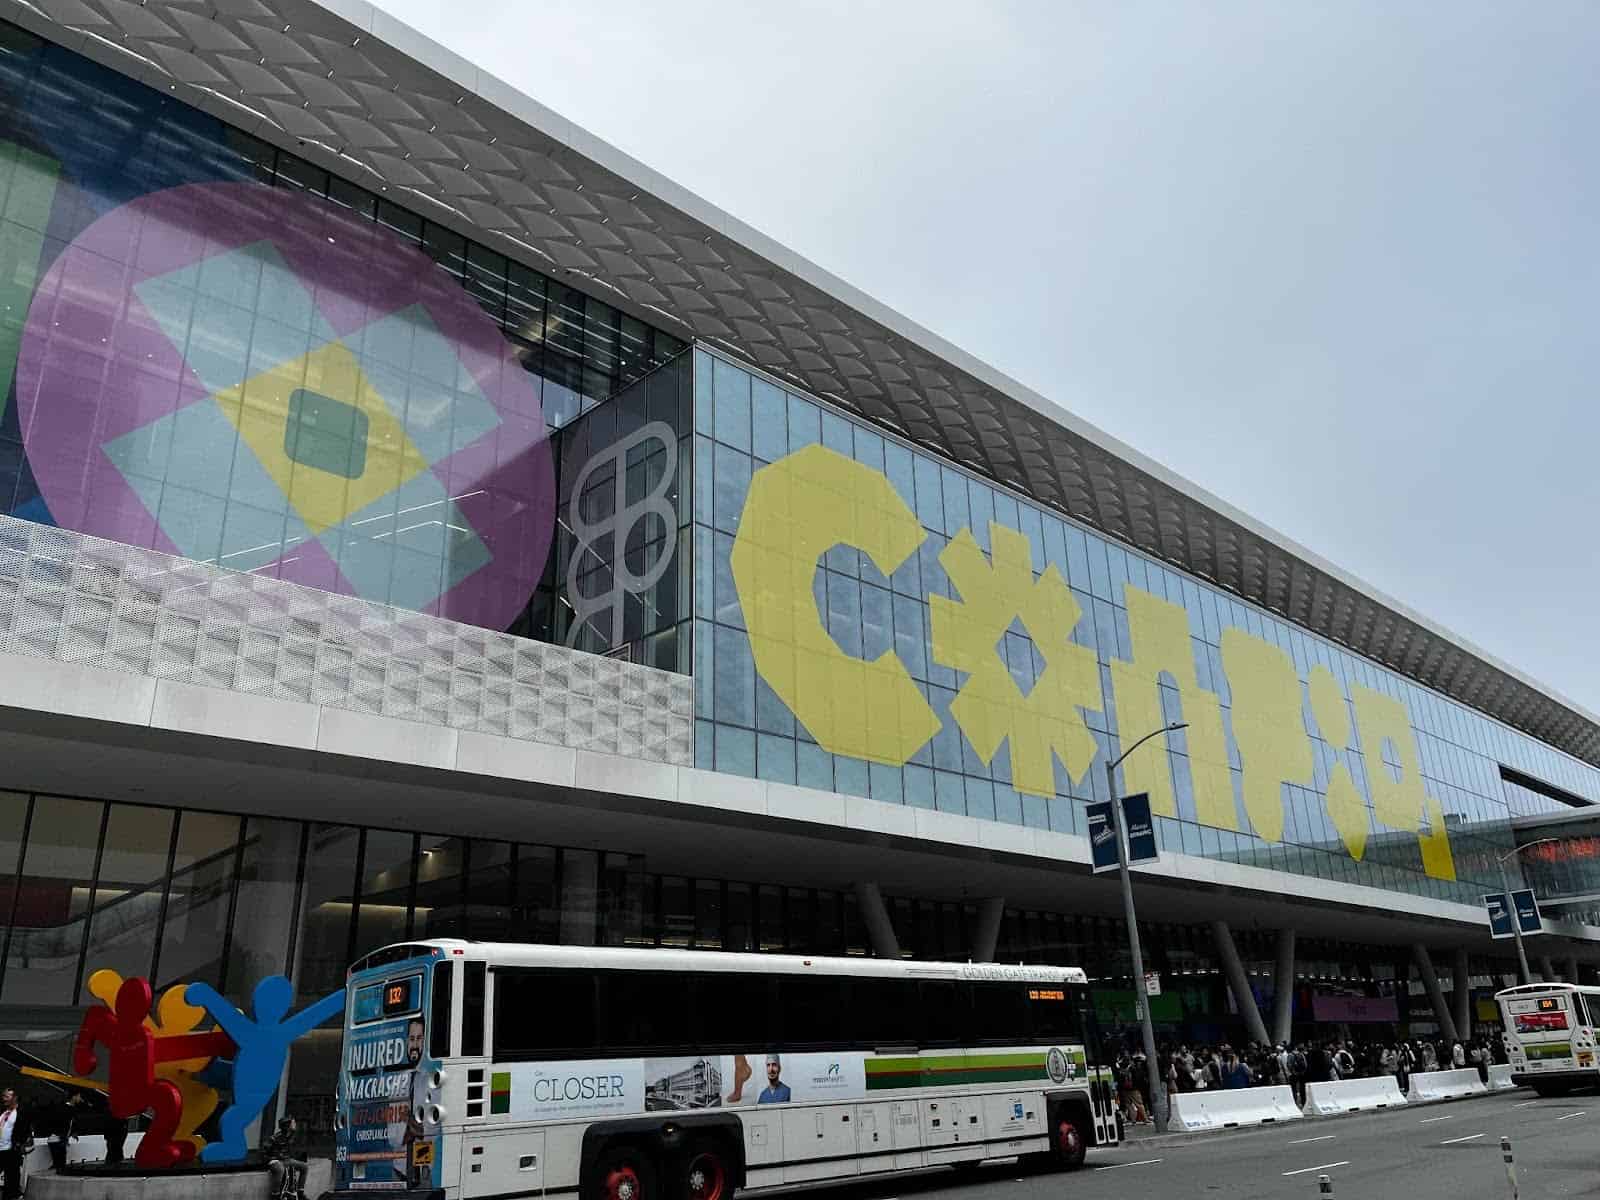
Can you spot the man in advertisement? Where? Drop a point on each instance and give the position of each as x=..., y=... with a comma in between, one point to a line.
x=776, y=1091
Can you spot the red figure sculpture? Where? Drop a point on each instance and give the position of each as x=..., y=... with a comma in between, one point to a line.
x=134, y=1052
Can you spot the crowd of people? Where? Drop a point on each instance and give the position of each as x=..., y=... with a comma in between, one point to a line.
x=1183, y=1068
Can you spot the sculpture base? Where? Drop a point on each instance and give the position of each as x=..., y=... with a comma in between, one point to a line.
x=89, y=1181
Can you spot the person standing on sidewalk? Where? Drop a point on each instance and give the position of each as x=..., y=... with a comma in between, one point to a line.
x=16, y=1139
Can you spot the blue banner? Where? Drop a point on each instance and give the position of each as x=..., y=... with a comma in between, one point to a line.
x=1141, y=829
x=1527, y=912
x=1499, y=914
x=1102, y=837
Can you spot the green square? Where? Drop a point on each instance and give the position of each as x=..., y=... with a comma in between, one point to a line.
x=326, y=434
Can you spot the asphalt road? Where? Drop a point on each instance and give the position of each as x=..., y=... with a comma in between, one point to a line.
x=1431, y=1152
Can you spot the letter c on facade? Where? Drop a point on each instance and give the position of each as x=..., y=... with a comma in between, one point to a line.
x=798, y=508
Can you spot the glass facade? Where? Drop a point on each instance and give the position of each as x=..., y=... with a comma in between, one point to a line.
x=212, y=348
x=887, y=613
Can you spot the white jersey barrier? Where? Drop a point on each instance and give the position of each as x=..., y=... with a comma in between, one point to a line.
x=1445, y=1085
x=1223, y=1108
x=1352, y=1095
x=1500, y=1077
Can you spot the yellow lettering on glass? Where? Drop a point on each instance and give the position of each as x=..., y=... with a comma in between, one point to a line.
x=1346, y=809
x=799, y=508
x=1160, y=634
x=990, y=707
x=1400, y=803
x=1267, y=726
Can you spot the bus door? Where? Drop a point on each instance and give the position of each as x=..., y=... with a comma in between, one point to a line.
x=1544, y=1029
x=397, y=1028
x=1102, y=1088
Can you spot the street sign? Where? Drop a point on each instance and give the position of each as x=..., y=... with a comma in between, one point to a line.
x=1141, y=829
x=1102, y=837
x=1527, y=912
x=1152, y=983
x=1499, y=914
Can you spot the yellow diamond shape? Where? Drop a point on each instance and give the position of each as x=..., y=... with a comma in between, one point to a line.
x=259, y=408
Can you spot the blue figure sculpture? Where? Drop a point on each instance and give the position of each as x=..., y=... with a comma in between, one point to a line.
x=263, y=1041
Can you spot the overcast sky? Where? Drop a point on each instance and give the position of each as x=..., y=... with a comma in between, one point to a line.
x=1340, y=264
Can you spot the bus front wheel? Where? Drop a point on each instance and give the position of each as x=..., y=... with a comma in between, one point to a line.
x=624, y=1173
x=705, y=1174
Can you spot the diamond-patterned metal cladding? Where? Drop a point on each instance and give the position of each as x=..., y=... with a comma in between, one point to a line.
x=81, y=599
x=376, y=102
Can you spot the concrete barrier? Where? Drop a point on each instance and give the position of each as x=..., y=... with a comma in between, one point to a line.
x=1352, y=1095
x=1223, y=1108
x=1500, y=1077
x=1445, y=1085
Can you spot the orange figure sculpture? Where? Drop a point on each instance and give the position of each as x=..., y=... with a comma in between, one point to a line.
x=134, y=1052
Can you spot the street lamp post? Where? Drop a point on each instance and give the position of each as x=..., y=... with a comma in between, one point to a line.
x=1516, y=922
x=1140, y=998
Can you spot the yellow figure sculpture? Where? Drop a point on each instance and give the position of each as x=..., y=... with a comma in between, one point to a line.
x=173, y=1016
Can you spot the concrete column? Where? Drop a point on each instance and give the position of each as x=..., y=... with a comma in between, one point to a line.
x=1463, y=993
x=1238, y=984
x=875, y=916
x=1441, y=1010
x=987, y=934
x=1572, y=969
x=1283, y=988
x=1549, y=969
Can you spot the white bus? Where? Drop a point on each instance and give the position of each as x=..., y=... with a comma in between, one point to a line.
x=477, y=1070
x=1550, y=1035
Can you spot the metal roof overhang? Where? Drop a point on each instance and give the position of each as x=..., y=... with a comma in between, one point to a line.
x=348, y=86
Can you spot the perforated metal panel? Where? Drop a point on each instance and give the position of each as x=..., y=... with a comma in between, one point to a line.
x=79, y=599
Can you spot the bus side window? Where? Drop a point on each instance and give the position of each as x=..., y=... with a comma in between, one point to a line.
x=439, y=1023
x=1000, y=1013
x=645, y=1010
x=946, y=1009
x=735, y=1012
x=472, y=1008
x=811, y=1009
x=543, y=1014
x=882, y=1012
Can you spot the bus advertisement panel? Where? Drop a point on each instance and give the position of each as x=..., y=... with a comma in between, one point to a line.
x=388, y=1086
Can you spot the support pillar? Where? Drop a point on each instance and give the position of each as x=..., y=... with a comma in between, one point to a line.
x=986, y=937
x=1243, y=998
x=875, y=916
x=1441, y=1010
x=1463, y=993
x=1283, y=988
x=1572, y=969
x=1549, y=969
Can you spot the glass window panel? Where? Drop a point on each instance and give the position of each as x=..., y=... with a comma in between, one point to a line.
x=52, y=902
x=735, y=679
x=736, y=751
x=129, y=892
x=805, y=423
x=535, y=902
x=769, y=418
x=731, y=483
x=837, y=434
x=850, y=776
x=264, y=912
x=730, y=404
x=775, y=758
x=440, y=873
x=13, y=815
x=813, y=767
x=385, y=890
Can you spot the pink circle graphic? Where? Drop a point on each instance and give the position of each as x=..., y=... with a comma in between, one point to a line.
x=253, y=377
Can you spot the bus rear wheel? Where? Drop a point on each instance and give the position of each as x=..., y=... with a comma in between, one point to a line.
x=624, y=1173
x=1068, y=1145
x=705, y=1174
